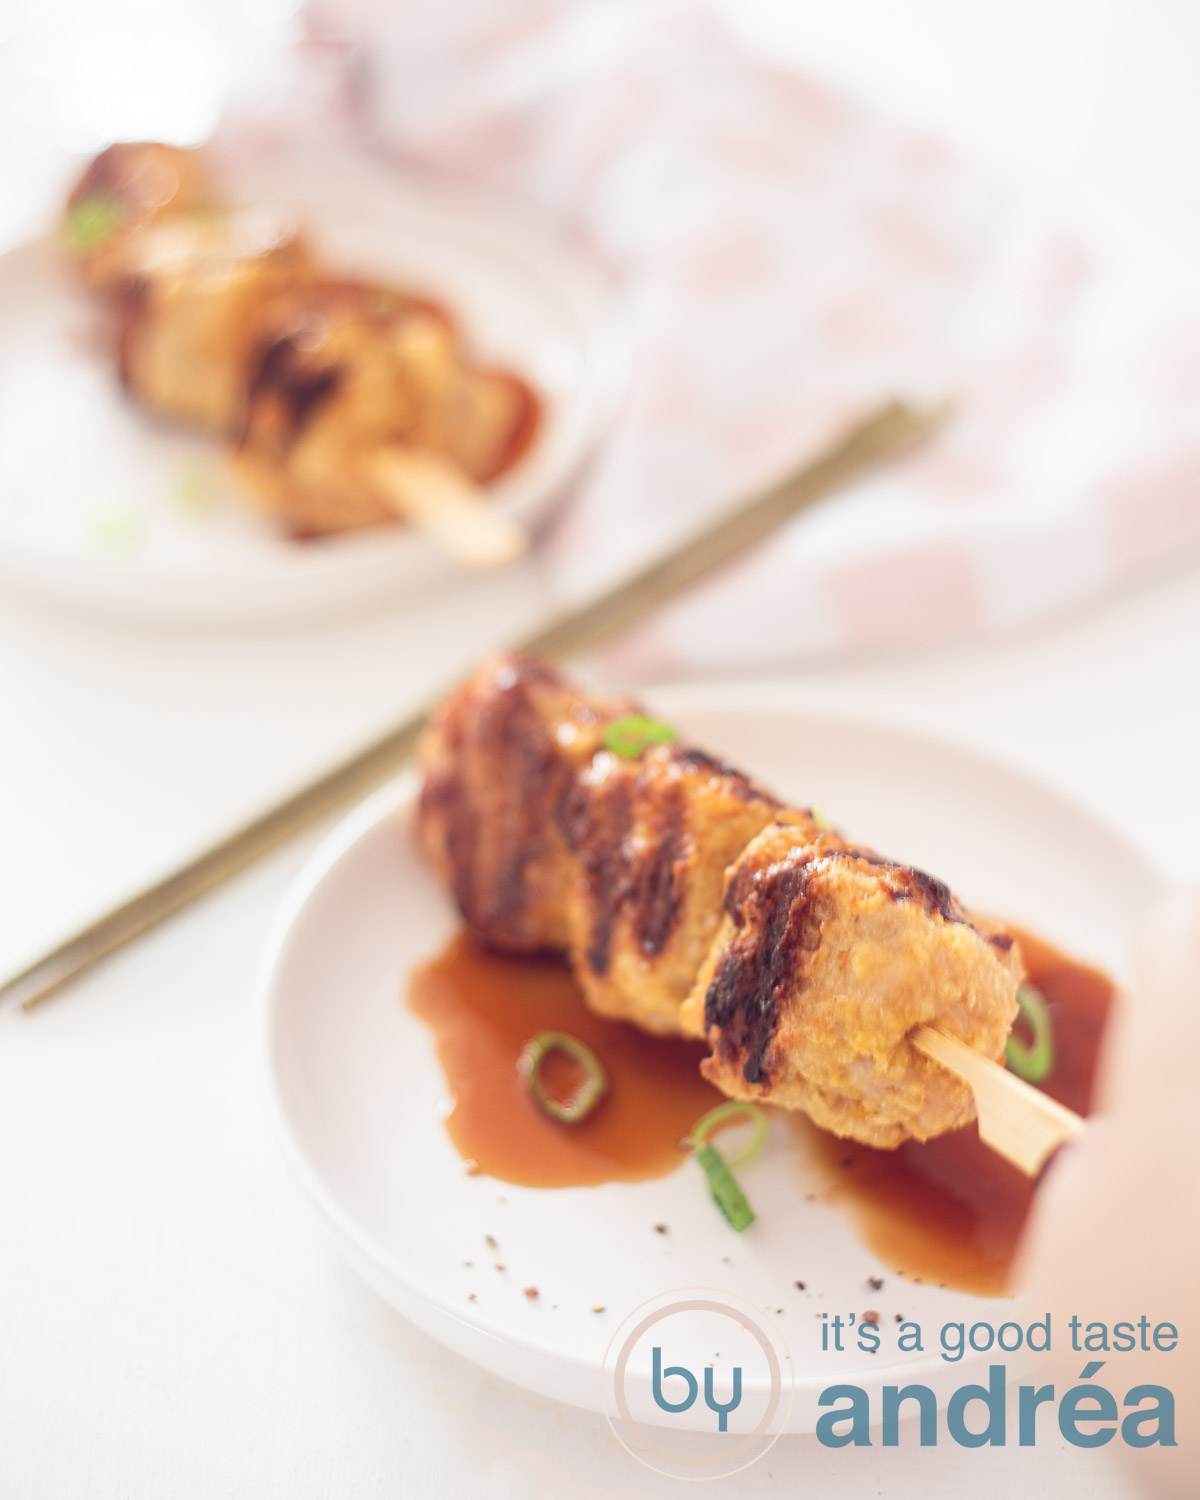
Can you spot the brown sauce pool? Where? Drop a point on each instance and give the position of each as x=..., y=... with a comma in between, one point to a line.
x=948, y=1211
x=482, y=1008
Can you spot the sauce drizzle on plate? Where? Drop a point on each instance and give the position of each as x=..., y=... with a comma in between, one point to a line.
x=483, y=1007
x=947, y=1211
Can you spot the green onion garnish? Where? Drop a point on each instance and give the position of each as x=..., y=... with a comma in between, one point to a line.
x=724, y=1114
x=629, y=736
x=722, y=1184
x=1033, y=1064
x=195, y=490
x=92, y=221
x=589, y=1093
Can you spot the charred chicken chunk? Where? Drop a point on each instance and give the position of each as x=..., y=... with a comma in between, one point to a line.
x=652, y=838
x=826, y=958
x=348, y=374
x=499, y=760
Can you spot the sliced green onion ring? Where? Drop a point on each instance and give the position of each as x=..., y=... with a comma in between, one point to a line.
x=589, y=1093
x=629, y=736
x=722, y=1184
x=92, y=221
x=736, y=1109
x=1033, y=1064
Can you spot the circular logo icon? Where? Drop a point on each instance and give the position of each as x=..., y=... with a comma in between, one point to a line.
x=697, y=1384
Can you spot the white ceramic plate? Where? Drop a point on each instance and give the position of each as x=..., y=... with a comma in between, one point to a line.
x=102, y=507
x=359, y=1093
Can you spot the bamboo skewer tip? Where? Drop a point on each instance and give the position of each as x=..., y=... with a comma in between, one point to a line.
x=1016, y=1120
x=437, y=498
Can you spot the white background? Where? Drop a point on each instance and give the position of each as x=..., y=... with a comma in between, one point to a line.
x=171, y=1320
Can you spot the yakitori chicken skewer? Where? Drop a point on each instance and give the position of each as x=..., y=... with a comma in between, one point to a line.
x=690, y=900
x=359, y=408
x=351, y=404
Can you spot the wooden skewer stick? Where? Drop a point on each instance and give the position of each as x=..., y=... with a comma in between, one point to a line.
x=1016, y=1120
x=438, y=499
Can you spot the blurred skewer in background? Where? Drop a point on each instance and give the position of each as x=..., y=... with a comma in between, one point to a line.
x=349, y=405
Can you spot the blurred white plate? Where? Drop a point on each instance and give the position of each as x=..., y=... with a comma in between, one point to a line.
x=102, y=507
x=359, y=1094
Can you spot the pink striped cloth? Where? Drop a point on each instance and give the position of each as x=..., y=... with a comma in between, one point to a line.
x=790, y=259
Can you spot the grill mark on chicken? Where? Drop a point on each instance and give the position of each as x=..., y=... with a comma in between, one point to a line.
x=738, y=784
x=596, y=827
x=906, y=883
x=597, y=818
x=657, y=886
x=526, y=782
x=737, y=891
x=933, y=894
x=278, y=372
x=770, y=911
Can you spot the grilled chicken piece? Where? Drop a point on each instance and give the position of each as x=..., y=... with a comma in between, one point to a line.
x=127, y=187
x=499, y=759
x=826, y=958
x=195, y=299
x=652, y=838
x=346, y=372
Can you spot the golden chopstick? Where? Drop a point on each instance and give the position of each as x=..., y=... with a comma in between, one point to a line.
x=887, y=433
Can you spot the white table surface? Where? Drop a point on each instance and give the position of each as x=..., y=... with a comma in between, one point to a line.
x=172, y=1319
